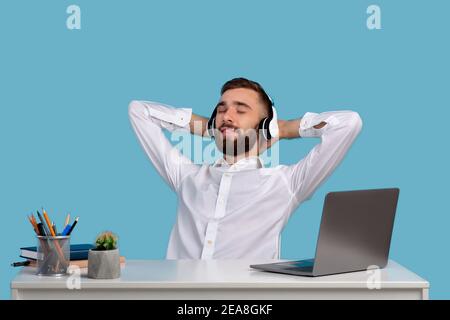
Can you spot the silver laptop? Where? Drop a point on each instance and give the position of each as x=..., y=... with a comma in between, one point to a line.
x=355, y=233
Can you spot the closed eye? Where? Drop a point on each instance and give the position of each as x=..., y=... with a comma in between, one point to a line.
x=242, y=108
x=221, y=108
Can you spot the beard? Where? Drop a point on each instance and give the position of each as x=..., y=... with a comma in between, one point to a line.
x=243, y=143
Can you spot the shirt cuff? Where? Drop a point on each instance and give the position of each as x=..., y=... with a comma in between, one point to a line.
x=307, y=122
x=171, y=118
x=311, y=119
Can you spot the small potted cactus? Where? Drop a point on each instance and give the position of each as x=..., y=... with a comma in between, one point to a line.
x=104, y=259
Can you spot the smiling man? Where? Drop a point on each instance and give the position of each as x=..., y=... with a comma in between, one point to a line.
x=236, y=208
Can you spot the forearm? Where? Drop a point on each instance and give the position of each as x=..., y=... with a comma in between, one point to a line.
x=198, y=125
x=340, y=129
x=289, y=128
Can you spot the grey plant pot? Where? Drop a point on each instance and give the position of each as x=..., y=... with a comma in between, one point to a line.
x=103, y=264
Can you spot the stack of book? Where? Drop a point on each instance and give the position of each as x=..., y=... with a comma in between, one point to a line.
x=78, y=254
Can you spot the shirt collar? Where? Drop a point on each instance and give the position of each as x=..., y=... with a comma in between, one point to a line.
x=253, y=162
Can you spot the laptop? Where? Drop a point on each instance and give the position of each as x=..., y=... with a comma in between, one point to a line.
x=355, y=234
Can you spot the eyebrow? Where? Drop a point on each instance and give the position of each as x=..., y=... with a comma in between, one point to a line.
x=239, y=103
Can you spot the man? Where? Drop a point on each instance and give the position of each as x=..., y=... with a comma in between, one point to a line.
x=237, y=208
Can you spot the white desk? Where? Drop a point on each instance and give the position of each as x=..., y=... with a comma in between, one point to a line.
x=219, y=279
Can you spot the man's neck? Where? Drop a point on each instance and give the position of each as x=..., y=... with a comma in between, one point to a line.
x=230, y=159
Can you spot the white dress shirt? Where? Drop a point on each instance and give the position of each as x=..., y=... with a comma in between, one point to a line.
x=237, y=211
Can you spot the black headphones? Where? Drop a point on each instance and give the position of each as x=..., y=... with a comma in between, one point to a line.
x=268, y=126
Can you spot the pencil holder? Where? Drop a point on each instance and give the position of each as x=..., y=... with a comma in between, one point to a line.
x=53, y=255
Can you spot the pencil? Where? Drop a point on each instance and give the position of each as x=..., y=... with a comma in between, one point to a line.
x=58, y=248
x=32, y=223
x=67, y=220
x=35, y=224
x=49, y=224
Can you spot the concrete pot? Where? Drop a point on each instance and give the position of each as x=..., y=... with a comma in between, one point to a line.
x=103, y=264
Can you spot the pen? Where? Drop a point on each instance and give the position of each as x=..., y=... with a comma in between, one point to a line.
x=66, y=230
x=41, y=229
x=44, y=226
x=73, y=226
x=20, y=264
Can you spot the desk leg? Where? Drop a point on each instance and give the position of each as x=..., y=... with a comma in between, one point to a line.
x=15, y=294
x=425, y=294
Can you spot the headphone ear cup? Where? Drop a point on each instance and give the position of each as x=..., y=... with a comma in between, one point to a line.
x=211, y=126
x=212, y=123
x=264, y=128
x=272, y=124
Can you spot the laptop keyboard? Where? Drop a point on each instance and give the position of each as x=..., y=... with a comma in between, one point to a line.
x=298, y=265
x=299, y=268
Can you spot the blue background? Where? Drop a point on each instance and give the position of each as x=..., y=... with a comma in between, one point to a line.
x=67, y=145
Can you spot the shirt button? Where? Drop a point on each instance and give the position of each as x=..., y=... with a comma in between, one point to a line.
x=210, y=242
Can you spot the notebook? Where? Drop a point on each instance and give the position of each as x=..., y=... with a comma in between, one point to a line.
x=77, y=251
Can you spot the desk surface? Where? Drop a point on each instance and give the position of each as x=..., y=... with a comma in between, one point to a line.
x=205, y=279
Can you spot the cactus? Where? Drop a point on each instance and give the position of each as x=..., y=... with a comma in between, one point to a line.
x=106, y=241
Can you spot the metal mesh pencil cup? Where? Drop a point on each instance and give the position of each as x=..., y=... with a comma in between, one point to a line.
x=53, y=255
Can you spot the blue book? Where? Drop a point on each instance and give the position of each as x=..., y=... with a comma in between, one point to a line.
x=77, y=252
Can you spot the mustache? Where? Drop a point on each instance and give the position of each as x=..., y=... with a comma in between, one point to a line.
x=228, y=126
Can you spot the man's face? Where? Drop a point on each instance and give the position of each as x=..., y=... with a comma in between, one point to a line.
x=239, y=112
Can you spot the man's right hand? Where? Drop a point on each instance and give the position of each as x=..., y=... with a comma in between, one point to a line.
x=198, y=125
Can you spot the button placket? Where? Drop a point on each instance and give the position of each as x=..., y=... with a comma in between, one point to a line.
x=212, y=226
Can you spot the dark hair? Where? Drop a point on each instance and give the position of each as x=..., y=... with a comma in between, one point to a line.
x=248, y=84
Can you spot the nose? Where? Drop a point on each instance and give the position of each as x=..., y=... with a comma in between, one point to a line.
x=228, y=115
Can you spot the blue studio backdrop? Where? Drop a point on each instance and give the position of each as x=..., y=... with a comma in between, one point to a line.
x=67, y=145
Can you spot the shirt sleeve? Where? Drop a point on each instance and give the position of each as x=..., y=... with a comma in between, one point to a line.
x=337, y=136
x=148, y=119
